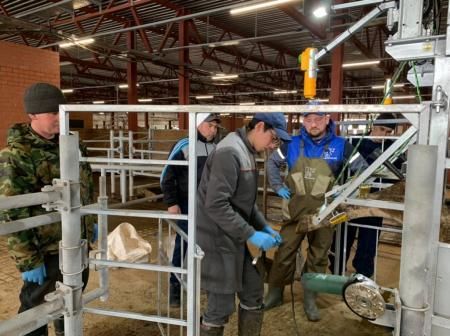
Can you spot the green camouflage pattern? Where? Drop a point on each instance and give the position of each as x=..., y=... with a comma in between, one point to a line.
x=27, y=164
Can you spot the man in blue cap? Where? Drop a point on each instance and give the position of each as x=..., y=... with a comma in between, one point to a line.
x=314, y=158
x=174, y=184
x=228, y=218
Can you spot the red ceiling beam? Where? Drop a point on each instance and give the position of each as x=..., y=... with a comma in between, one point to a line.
x=315, y=29
x=132, y=83
x=183, y=72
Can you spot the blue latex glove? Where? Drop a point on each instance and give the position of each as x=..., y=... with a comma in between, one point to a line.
x=36, y=275
x=262, y=240
x=94, y=237
x=273, y=233
x=284, y=192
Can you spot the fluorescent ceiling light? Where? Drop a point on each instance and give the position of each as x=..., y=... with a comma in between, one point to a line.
x=223, y=43
x=224, y=76
x=145, y=100
x=322, y=100
x=98, y=102
x=77, y=42
x=67, y=90
x=247, y=104
x=380, y=87
x=357, y=64
x=125, y=86
x=257, y=6
x=204, y=97
x=284, y=91
x=320, y=12
x=404, y=97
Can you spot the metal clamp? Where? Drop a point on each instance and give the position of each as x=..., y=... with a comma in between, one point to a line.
x=441, y=100
x=84, y=255
x=68, y=294
x=49, y=206
x=66, y=202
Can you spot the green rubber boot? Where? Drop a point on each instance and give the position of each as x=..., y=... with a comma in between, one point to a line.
x=309, y=305
x=274, y=298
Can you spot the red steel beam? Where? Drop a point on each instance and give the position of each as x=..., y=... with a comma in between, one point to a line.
x=183, y=72
x=132, y=83
x=315, y=29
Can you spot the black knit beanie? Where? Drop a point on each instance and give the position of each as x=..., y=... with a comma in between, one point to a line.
x=43, y=98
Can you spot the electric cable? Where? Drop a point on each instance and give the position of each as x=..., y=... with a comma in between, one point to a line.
x=297, y=332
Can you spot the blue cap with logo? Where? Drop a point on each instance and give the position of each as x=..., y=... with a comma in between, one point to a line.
x=277, y=121
x=313, y=103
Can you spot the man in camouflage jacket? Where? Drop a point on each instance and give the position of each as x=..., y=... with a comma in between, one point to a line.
x=28, y=163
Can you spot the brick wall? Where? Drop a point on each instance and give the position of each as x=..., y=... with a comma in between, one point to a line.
x=21, y=66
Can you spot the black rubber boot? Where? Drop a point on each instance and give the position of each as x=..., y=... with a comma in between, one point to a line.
x=250, y=322
x=210, y=331
x=59, y=326
x=174, y=295
x=274, y=298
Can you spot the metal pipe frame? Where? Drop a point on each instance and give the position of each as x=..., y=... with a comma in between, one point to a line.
x=191, y=267
x=71, y=251
x=422, y=161
x=26, y=200
x=404, y=138
x=378, y=10
x=29, y=223
x=31, y=319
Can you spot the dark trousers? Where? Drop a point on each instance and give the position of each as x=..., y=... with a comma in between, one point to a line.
x=178, y=252
x=363, y=262
x=32, y=294
x=221, y=306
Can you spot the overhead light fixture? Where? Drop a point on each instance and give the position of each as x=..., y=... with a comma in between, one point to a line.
x=257, y=6
x=320, y=12
x=381, y=87
x=77, y=42
x=145, y=100
x=224, y=76
x=67, y=90
x=358, y=64
x=223, y=43
x=404, y=97
x=277, y=92
x=125, y=86
x=322, y=100
x=247, y=104
x=98, y=102
x=204, y=97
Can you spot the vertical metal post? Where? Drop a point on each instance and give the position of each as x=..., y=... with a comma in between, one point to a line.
x=130, y=172
x=192, y=317
x=103, y=235
x=438, y=136
x=417, y=237
x=71, y=244
x=123, y=176
x=111, y=155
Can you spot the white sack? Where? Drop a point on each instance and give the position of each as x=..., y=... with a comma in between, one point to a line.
x=124, y=244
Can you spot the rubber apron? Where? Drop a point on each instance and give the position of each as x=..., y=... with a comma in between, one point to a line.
x=309, y=180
